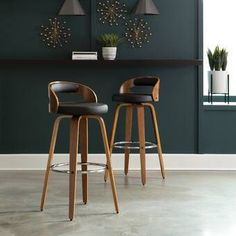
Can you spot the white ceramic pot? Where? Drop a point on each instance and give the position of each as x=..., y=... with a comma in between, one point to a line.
x=219, y=81
x=109, y=53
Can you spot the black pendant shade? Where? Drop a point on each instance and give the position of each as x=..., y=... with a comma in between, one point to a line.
x=146, y=7
x=72, y=8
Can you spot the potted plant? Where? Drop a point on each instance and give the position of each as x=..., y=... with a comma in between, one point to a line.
x=109, y=43
x=218, y=76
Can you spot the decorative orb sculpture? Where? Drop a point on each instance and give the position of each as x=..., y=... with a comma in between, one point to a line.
x=137, y=32
x=111, y=11
x=55, y=34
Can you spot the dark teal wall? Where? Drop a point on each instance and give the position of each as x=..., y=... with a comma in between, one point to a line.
x=174, y=31
x=218, y=131
x=25, y=124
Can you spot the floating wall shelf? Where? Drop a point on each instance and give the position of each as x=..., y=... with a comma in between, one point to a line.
x=145, y=62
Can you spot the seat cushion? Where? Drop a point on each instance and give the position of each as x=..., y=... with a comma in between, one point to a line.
x=132, y=97
x=77, y=109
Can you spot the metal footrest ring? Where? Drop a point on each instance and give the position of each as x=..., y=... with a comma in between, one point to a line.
x=56, y=167
x=133, y=145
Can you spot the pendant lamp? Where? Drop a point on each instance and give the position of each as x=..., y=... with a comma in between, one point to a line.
x=146, y=7
x=72, y=8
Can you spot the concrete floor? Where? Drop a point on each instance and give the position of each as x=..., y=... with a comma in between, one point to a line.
x=186, y=204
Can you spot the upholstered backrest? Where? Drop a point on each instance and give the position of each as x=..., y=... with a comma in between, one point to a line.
x=143, y=81
x=64, y=87
x=87, y=94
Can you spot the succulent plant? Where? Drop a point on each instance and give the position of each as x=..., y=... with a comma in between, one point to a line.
x=109, y=40
x=211, y=59
x=218, y=59
x=224, y=59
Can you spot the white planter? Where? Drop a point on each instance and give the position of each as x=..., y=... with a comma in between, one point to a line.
x=109, y=53
x=219, y=81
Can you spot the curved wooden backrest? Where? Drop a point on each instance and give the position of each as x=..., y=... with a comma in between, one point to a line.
x=152, y=81
x=55, y=87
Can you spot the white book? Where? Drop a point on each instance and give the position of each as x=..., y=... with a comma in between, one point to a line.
x=84, y=56
x=82, y=53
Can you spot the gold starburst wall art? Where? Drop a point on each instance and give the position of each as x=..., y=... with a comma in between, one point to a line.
x=137, y=32
x=111, y=12
x=55, y=34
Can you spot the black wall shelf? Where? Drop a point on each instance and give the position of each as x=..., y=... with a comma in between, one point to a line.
x=145, y=62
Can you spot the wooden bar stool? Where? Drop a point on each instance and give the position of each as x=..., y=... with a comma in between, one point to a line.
x=130, y=99
x=78, y=113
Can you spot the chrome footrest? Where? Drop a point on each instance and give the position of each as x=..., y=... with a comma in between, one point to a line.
x=133, y=145
x=59, y=167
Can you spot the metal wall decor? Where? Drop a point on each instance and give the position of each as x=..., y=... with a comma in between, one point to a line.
x=55, y=34
x=111, y=11
x=137, y=32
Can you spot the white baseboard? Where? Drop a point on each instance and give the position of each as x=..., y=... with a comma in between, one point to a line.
x=172, y=161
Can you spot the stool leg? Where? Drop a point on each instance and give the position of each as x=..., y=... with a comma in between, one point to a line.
x=74, y=128
x=128, y=132
x=113, y=132
x=49, y=163
x=109, y=166
x=158, y=139
x=141, y=135
x=84, y=155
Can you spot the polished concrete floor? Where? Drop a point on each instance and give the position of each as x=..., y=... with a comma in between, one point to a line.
x=186, y=204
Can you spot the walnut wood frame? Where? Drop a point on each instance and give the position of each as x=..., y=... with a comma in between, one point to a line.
x=129, y=84
x=126, y=88
x=87, y=93
x=141, y=131
x=78, y=133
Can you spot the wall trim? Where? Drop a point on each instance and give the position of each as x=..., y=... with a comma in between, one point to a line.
x=172, y=161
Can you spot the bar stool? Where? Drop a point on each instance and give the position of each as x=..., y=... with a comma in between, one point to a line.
x=130, y=99
x=78, y=113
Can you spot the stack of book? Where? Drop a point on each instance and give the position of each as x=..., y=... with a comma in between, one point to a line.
x=84, y=55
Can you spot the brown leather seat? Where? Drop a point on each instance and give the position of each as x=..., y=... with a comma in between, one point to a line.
x=77, y=109
x=132, y=97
